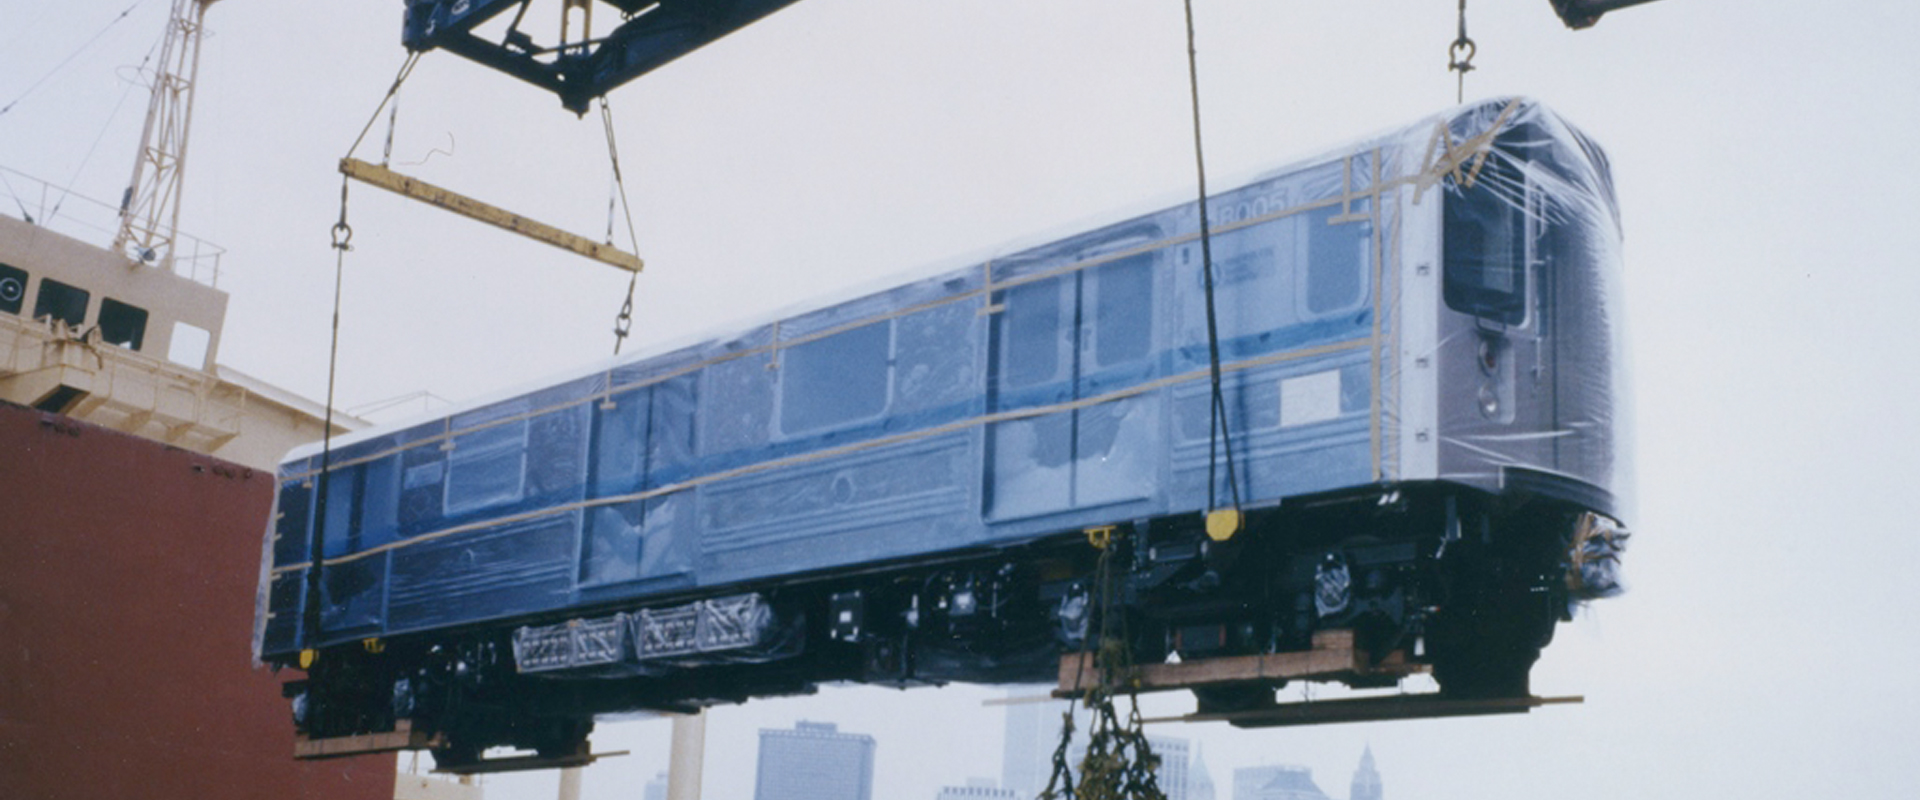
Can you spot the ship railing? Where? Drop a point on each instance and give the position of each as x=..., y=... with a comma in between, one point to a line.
x=69, y=213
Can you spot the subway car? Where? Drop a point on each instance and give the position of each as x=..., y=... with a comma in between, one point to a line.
x=1397, y=394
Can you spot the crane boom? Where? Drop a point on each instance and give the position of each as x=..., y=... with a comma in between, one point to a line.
x=650, y=34
x=150, y=208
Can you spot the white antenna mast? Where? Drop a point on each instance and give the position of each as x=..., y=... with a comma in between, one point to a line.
x=150, y=209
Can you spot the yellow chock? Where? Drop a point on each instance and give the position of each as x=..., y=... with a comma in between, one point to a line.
x=374, y=645
x=307, y=657
x=1223, y=523
x=1100, y=537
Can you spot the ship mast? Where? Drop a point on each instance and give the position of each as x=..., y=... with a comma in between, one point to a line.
x=150, y=208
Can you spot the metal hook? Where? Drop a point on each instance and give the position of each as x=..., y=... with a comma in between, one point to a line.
x=1460, y=55
x=623, y=322
x=1457, y=61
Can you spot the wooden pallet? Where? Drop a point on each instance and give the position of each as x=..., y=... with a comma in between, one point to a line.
x=402, y=737
x=491, y=766
x=1373, y=709
x=1334, y=657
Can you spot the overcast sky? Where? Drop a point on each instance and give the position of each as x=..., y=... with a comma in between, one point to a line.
x=1765, y=159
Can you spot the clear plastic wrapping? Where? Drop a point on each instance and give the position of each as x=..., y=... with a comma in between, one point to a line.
x=1439, y=303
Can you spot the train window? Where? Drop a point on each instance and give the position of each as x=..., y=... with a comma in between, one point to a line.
x=487, y=467
x=122, y=324
x=670, y=436
x=1484, y=240
x=1123, y=310
x=1256, y=287
x=62, y=302
x=935, y=363
x=556, y=456
x=1032, y=327
x=1336, y=260
x=613, y=544
x=13, y=288
x=290, y=526
x=341, y=535
x=836, y=379
x=620, y=442
x=736, y=409
x=423, y=479
x=380, y=502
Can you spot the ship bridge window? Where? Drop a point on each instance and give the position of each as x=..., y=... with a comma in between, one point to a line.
x=62, y=302
x=189, y=345
x=122, y=324
x=13, y=288
x=836, y=379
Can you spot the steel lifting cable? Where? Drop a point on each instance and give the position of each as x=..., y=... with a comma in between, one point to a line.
x=342, y=242
x=70, y=57
x=406, y=69
x=623, y=321
x=104, y=130
x=1460, y=55
x=1119, y=761
x=1220, y=436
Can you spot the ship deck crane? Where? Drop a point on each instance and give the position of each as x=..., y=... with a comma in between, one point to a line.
x=150, y=209
x=577, y=66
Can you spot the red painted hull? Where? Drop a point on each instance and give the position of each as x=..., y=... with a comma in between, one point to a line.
x=127, y=578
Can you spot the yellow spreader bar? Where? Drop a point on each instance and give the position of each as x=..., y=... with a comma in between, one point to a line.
x=376, y=175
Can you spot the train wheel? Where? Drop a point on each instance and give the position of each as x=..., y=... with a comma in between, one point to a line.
x=458, y=752
x=1487, y=650
x=564, y=738
x=1484, y=673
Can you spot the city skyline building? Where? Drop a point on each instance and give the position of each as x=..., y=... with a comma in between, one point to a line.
x=1033, y=734
x=1366, y=780
x=814, y=761
x=1276, y=782
x=976, y=789
x=1173, y=774
x=1199, y=779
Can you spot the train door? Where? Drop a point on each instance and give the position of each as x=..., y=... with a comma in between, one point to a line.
x=1066, y=349
x=642, y=439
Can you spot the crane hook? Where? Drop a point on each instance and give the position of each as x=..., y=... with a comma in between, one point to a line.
x=1460, y=55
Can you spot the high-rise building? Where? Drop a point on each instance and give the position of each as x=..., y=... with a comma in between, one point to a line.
x=814, y=761
x=1199, y=780
x=657, y=788
x=976, y=789
x=1366, y=779
x=1033, y=731
x=1277, y=782
x=1033, y=734
x=1173, y=773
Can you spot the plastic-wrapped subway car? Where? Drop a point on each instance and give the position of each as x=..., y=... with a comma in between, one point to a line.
x=1418, y=343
